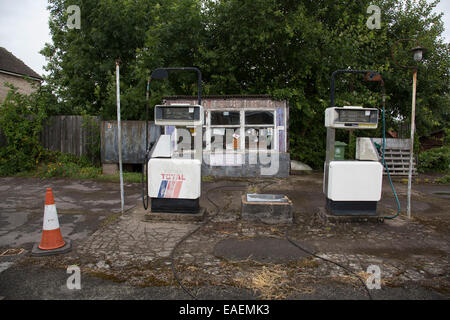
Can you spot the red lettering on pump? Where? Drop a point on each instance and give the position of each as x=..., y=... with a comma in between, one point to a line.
x=172, y=177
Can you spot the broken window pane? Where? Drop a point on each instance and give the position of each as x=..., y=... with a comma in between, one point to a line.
x=225, y=118
x=259, y=117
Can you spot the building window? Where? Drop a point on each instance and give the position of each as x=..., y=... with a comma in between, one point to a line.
x=225, y=130
x=259, y=118
x=259, y=130
x=225, y=118
x=239, y=130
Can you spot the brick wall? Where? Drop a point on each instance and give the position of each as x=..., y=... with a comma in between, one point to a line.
x=23, y=85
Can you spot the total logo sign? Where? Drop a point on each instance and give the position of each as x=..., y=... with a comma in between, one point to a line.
x=171, y=184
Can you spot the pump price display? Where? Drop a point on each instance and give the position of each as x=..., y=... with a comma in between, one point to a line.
x=357, y=116
x=351, y=118
x=178, y=115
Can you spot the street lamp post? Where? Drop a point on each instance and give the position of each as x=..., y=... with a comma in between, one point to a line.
x=411, y=150
x=417, y=55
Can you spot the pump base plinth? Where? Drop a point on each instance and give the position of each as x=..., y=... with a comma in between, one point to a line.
x=326, y=216
x=351, y=208
x=175, y=205
x=176, y=216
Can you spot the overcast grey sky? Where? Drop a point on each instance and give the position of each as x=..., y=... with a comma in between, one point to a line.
x=24, y=29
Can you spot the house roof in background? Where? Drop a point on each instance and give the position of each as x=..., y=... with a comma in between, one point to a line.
x=12, y=64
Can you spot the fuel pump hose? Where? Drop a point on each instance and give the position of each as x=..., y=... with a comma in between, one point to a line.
x=384, y=161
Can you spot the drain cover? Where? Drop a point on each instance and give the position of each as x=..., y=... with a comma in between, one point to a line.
x=264, y=197
x=12, y=252
x=261, y=250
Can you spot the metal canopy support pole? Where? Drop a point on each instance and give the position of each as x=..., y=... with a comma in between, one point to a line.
x=331, y=136
x=119, y=135
x=198, y=143
x=411, y=150
x=331, y=132
x=199, y=79
x=161, y=73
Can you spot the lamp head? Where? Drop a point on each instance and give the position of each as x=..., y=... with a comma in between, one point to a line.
x=418, y=53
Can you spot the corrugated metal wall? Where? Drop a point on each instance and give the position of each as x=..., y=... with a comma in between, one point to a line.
x=133, y=141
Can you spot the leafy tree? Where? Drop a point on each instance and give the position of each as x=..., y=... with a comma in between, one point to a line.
x=284, y=48
x=414, y=19
x=81, y=61
x=173, y=40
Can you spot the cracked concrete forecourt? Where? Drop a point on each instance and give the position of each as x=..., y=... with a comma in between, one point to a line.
x=228, y=257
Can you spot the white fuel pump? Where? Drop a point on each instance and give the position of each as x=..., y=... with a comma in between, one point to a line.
x=173, y=177
x=352, y=187
x=174, y=182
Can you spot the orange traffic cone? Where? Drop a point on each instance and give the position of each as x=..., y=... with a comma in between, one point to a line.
x=52, y=241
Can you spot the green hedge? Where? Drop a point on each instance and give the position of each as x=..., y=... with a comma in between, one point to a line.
x=21, y=118
x=435, y=160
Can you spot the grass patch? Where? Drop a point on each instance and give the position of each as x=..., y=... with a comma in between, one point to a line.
x=55, y=164
x=207, y=178
x=444, y=179
x=64, y=165
x=110, y=219
x=90, y=173
x=67, y=170
x=132, y=177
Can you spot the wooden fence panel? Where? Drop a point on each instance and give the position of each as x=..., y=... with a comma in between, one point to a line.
x=68, y=134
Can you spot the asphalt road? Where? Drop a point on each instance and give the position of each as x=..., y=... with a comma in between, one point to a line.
x=37, y=283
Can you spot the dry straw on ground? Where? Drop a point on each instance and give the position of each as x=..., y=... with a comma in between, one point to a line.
x=271, y=283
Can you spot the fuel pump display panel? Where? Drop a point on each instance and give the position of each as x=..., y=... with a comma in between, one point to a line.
x=351, y=118
x=363, y=116
x=172, y=113
x=184, y=115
